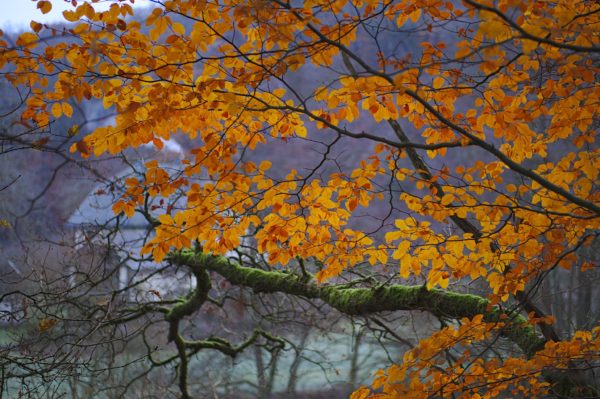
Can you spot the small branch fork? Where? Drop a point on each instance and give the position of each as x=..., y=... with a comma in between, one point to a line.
x=185, y=348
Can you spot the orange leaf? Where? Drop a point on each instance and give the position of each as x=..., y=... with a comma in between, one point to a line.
x=438, y=82
x=45, y=6
x=46, y=324
x=67, y=110
x=83, y=148
x=360, y=393
x=56, y=110
x=264, y=165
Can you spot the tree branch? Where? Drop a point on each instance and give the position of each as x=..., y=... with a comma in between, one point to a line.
x=364, y=301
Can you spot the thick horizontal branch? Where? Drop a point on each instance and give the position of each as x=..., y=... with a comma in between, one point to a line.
x=365, y=301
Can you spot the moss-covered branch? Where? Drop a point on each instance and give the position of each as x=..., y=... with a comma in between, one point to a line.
x=363, y=301
x=191, y=304
x=185, y=308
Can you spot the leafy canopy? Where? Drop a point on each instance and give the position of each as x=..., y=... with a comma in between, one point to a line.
x=488, y=124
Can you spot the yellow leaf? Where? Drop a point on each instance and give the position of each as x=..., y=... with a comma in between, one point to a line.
x=447, y=199
x=393, y=236
x=415, y=15
x=67, y=109
x=279, y=92
x=361, y=393
x=405, y=266
x=27, y=39
x=159, y=253
x=402, y=249
x=178, y=28
x=56, y=110
x=264, y=165
x=438, y=82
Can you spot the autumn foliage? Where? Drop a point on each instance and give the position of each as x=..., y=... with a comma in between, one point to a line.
x=483, y=138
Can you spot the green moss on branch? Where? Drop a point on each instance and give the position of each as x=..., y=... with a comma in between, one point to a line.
x=364, y=301
x=191, y=304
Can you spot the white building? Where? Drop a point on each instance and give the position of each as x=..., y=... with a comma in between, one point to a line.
x=108, y=246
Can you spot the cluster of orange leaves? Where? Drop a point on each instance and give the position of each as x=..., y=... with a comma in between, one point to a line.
x=427, y=372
